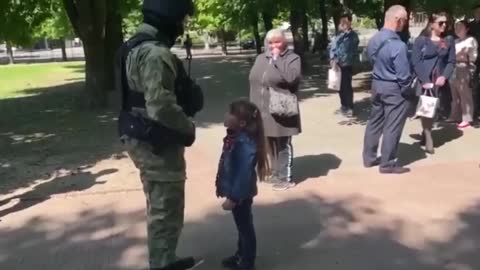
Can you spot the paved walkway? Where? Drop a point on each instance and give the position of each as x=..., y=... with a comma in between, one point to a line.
x=340, y=217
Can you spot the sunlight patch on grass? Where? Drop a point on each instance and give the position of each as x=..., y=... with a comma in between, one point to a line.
x=20, y=80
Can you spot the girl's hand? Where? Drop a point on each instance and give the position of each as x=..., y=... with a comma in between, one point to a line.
x=441, y=81
x=228, y=205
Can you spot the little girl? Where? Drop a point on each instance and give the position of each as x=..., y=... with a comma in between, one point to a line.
x=244, y=157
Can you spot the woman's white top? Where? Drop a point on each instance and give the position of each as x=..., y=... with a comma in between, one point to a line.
x=470, y=45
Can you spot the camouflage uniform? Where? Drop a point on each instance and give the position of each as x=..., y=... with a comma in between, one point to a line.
x=151, y=69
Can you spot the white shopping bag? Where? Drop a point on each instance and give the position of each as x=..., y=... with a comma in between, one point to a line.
x=427, y=105
x=334, y=79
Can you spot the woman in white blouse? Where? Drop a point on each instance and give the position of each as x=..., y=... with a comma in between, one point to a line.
x=462, y=82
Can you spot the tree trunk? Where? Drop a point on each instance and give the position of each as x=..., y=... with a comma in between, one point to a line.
x=45, y=44
x=267, y=21
x=95, y=74
x=11, y=59
x=224, y=42
x=337, y=10
x=295, y=23
x=256, y=33
x=64, y=49
x=206, y=40
x=113, y=41
x=305, y=28
x=324, y=17
x=379, y=19
x=88, y=19
x=405, y=35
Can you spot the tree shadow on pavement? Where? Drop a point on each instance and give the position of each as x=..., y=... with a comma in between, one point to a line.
x=225, y=79
x=52, y=130
x=315, y=233
x=410, y=153
x=361, y=113
x=308, y=167
x=71, y=182
x=312, y=233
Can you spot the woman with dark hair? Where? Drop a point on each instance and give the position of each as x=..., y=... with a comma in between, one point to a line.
x=466, y=48
x=434, y=62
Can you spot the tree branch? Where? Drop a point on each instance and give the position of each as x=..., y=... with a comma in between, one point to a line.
x=72, y=13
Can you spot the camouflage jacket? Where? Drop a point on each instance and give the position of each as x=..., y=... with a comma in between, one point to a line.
x=152, y=69
x=344, y=48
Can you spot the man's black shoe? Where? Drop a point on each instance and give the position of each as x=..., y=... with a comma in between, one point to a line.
x=394, y=170
x=181, y=264
x=373, y=164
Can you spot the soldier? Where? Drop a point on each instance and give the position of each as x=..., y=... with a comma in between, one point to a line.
x=155, y=124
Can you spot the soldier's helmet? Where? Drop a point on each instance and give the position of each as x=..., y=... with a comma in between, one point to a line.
x=174, y=11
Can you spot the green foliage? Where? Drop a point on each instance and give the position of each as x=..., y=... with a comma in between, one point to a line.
x=131, y=11
x=57, y=25
x=20, y=18
x=456, y=7
x=365, y=8
x=364, y=23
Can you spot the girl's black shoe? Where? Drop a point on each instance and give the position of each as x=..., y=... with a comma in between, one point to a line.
x=231, y=262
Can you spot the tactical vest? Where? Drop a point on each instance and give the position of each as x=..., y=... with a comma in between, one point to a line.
x=145, y=129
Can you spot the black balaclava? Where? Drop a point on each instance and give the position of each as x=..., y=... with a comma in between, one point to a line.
x=167, y=16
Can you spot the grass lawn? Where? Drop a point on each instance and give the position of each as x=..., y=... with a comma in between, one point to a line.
x=20, y=80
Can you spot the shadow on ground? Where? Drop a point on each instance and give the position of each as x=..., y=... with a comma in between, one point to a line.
x=308, y=167
x=49, y=131
x=311, y=233
x=444, y=134
x=225, y=79
x=361, y=113
x=71, y=182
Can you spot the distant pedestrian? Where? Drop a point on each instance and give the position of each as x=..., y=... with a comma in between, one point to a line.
x=188, y=44
x=343, y=51
x=466, y=48
x=276, y=75
x=391, y=91
x=474, y=31
x=244, y=159
x=433, y=59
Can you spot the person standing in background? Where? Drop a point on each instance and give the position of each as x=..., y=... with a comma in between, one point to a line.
x=433, y=59
x=343, y=51
x=466, y=48
x=474, y=31
x=188, y=44
x=278, y=69
x=391, y=92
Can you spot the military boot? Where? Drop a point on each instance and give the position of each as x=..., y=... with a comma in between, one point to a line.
x=180, y=264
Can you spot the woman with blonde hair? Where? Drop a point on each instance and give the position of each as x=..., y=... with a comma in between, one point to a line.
x=274, y=82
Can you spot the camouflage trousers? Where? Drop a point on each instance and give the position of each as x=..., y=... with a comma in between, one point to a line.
x=163, y=179
x=165, y=216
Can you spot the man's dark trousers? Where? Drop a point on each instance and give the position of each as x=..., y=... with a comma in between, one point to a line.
x=346, y=89
x=388, y=117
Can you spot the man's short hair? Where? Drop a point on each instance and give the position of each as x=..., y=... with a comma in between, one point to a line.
x=394, y=11
x=477, y=6
x=348, y=16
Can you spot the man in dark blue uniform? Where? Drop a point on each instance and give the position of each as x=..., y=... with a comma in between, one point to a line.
x=391, y=90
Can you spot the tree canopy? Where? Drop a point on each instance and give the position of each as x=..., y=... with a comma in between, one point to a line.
x=103, y=24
